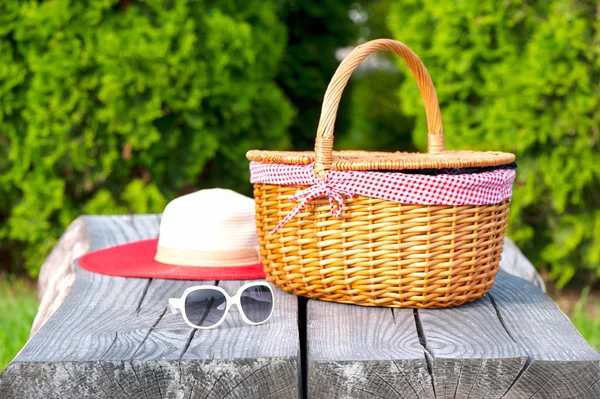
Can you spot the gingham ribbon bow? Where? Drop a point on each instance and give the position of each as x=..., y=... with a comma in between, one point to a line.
x=333, y=188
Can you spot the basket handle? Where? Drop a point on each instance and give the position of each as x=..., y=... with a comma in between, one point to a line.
x=324, y=141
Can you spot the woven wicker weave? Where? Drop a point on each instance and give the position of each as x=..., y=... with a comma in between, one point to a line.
x=380, y=253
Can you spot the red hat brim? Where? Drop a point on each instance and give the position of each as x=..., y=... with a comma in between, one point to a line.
x=136, y=259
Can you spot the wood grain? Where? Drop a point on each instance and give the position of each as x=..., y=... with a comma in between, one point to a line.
x=58, y=272
x=561, y=363
x=472, y=354
x=360, y=352
x=514, y=262
x=472, y=351
x=113, y=337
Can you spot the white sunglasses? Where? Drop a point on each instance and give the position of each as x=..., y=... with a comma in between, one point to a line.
x=206, y=306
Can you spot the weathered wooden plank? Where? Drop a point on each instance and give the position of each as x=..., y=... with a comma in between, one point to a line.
x=113, y=338
x=594, y=391
x=242, y=378
x=360, y=352
x=57, y=274
x=514, y=262
x=561, y=362
x=58, y=271
x=472, y=354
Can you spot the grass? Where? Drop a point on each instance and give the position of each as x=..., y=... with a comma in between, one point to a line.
x=586, y=318
x=18, y=307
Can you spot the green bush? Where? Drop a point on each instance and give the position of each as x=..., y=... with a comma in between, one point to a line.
x=316, y=29
x=522, y=77
x=111, y=106
x=376, y=123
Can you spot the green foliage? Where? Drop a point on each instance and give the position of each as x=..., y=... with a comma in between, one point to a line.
x=521, y=77
x=18, y=307
x=317, y=28
x=376, y=122
x=111, y=106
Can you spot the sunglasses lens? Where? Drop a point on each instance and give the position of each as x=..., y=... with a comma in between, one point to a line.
x=205, y=307
x=257, y=303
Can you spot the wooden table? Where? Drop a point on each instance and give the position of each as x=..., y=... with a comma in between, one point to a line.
x=113, y=337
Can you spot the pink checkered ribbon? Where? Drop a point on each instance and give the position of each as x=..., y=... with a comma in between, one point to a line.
x=469, y=189
x=333, y=188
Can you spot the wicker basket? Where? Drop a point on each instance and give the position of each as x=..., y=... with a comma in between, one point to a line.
x=379, y=252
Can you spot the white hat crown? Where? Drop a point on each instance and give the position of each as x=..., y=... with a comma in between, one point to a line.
x=212, y=227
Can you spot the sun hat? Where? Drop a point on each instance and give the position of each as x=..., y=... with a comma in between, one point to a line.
x=206, y=235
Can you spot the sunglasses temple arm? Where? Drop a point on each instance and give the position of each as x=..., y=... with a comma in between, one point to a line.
x=174, y=305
